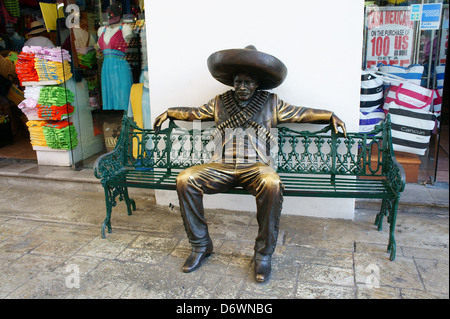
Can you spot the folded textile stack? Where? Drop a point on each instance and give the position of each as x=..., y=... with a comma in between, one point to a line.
x=55, y=95
x=29, y=108
x=32, y=92
x=37, y=137
x=51, y=54
x=54, y=112
x=52, y=71
x=37, y=63
x=29, y=105
x=54, y=103
x=25, y=68
x=60, y=135
x=88, y=59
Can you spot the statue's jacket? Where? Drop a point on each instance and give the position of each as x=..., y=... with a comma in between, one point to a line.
x=274, y=111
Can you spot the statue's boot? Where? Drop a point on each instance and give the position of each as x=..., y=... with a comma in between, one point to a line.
x=197, y=257
x=263, y=267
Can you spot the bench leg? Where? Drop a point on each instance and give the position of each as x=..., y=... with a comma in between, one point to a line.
x=111, y=192
x=110, y=202
x=383, y=212
x=392, y=218
x=131, y=204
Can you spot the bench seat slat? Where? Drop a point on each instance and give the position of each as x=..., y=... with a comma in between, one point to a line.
x=309, y=186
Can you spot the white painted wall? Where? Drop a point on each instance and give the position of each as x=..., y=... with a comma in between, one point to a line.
x=319, y=41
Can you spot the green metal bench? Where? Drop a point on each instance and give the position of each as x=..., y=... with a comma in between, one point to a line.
x=310, y=164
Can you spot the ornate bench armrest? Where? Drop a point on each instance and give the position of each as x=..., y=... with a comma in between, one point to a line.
x=396, y=174
x=108, y=164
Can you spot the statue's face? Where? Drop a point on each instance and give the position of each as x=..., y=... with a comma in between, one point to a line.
x=245, y=86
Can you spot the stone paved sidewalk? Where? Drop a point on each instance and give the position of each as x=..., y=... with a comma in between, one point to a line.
x=50, y=247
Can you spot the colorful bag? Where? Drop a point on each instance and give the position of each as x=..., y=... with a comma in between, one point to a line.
x=409, y=95
x=412, y=73
x=440, y=74
x=437, y=106
x=368, y=121
x=371, y=92
x=15, y=95
x=411, y=129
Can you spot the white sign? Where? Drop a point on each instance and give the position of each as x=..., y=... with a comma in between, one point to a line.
x=416, y=12
x=390, y=35
x=431, y=16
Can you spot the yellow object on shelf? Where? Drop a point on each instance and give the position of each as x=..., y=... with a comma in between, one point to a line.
x=50, y=12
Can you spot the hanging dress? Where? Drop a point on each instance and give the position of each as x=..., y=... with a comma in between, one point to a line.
x=116, y=72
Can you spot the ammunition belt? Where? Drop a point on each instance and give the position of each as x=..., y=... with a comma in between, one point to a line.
x=242, y=118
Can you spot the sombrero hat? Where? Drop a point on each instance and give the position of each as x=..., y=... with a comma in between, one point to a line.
x=36, y=27
x=223, y=65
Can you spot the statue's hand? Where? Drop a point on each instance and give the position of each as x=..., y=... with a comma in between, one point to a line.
x=159, y=121
x=336, y=122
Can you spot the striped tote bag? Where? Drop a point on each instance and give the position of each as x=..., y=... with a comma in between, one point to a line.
x=412, y=73
x=368, y=121
x=411, y=129
x=371, y=96
x=437, y=107
x=440, y=74
x=409, y=95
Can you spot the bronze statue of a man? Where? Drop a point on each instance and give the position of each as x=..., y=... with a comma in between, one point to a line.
x=251, y=107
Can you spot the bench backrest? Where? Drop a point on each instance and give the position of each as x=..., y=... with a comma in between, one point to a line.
x=321, y=152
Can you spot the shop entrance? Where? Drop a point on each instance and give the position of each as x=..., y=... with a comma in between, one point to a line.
x=66, y=70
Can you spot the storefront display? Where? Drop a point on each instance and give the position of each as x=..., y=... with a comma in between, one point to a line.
x=116, y=73
x=402, y=43
x=47, y=105
x=67, y=91
x=104, y=56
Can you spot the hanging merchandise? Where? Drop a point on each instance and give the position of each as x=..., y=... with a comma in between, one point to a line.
x=13, y=7
x=9, y=17
x=116, y=75
x=51, y=12
x=371, y=92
